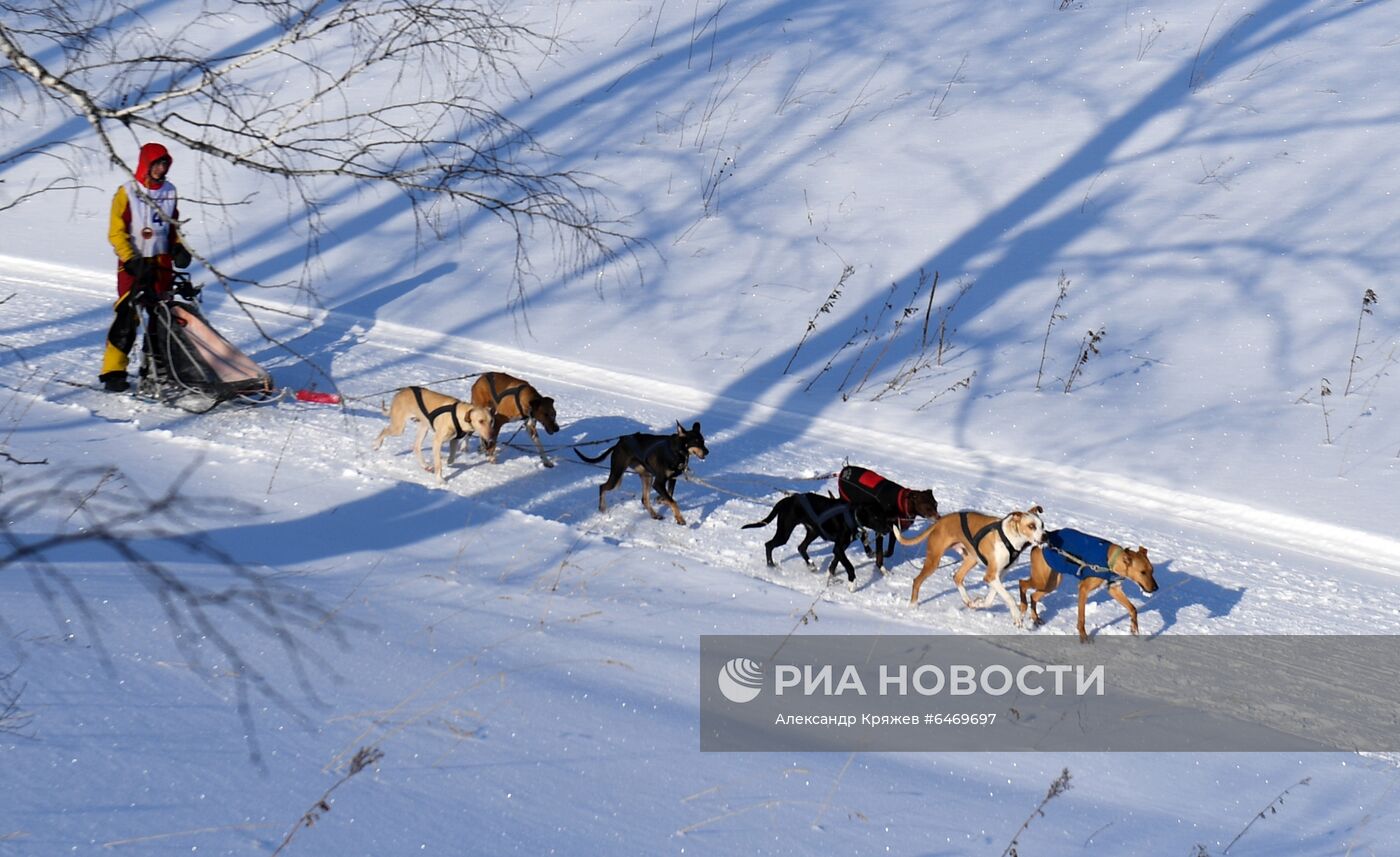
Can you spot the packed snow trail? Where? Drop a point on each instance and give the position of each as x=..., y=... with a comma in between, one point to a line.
x=1222, y=567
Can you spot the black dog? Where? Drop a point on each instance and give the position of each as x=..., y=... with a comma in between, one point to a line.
x=895, y=503
x=834, y=520
x=657, y=458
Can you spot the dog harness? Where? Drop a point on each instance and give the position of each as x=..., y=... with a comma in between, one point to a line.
x=876, y=489
x=643, y=454
x=1081, y=555
x=976, y=539
x=509, y=392
x=433, y=415
x=820, y=519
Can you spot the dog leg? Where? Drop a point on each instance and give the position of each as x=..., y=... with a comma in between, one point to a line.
x=802, y=548
x=423, y=428
x=969, y=562
x=616, y=469
x=1036, y=598
x=1041, y=583
x=1116, y=590
x=1085, y=587
x=781, y=535
x=438, y=441
x=998, y=588
x=535, y=436
x=1037, y=621
x=838, y=552
x=664, y=487
x=991, y=578
x=676, y=510
x=490, y=449
x=771, y=545
x=928, y=569
x=931, y=558
x=393, y=429
x=646, y=495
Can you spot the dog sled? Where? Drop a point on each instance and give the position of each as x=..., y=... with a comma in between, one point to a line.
x=185, y=363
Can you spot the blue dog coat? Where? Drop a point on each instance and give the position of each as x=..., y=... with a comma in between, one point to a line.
x=1078, y=555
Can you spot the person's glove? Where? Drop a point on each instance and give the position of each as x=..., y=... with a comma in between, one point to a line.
x=144, y=294
x=137, y=267
x=185, y=288
x=180, y=257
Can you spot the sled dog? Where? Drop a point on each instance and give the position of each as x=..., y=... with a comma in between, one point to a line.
x=1095, y=562
x=658, y=458
x=822, y=517
x=895, y=502
x=994, y=542
x=514, y=399
x=450, y=420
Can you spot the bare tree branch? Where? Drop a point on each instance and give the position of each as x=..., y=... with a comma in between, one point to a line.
x=13, y=719
x=322, y=92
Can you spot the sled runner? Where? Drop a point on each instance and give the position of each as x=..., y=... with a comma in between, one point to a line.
x=187, y=364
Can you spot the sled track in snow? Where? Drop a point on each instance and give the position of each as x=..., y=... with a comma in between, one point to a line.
x=1157, y=516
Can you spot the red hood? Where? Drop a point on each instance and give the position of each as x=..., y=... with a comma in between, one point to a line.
x=150, y=153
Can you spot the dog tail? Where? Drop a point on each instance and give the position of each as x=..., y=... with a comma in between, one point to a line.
x=602, y=455
x=914, y=541
x=763, y=523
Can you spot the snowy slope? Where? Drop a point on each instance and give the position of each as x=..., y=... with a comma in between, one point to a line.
x=1214, y=183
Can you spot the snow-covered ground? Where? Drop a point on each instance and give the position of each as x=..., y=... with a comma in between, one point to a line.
x=1219, y=196
x=529, y=664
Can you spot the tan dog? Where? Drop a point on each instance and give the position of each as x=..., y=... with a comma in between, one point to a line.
x=1094, y=562
x=514, y=399
x=995, y=542
x=447, y=418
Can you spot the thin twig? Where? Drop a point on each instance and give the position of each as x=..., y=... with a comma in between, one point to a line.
x=1057, y=788
x=928, y=310
x=1368, y=300
x=1055, y=315
x=826, y=307
x=366, y=757
x=1271, y=809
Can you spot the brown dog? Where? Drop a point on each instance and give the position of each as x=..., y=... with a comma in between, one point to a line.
x=995, y=542
x=447, y=418
x=514, y=399
x=1095, y=562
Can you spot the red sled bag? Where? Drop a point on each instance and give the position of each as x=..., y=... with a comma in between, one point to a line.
x=317, y=397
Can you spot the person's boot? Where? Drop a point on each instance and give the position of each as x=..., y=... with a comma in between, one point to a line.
x=114, y=382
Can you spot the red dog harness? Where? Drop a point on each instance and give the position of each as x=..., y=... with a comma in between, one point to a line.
x=879, y=490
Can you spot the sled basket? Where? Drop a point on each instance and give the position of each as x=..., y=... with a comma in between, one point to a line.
x=183, y=354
